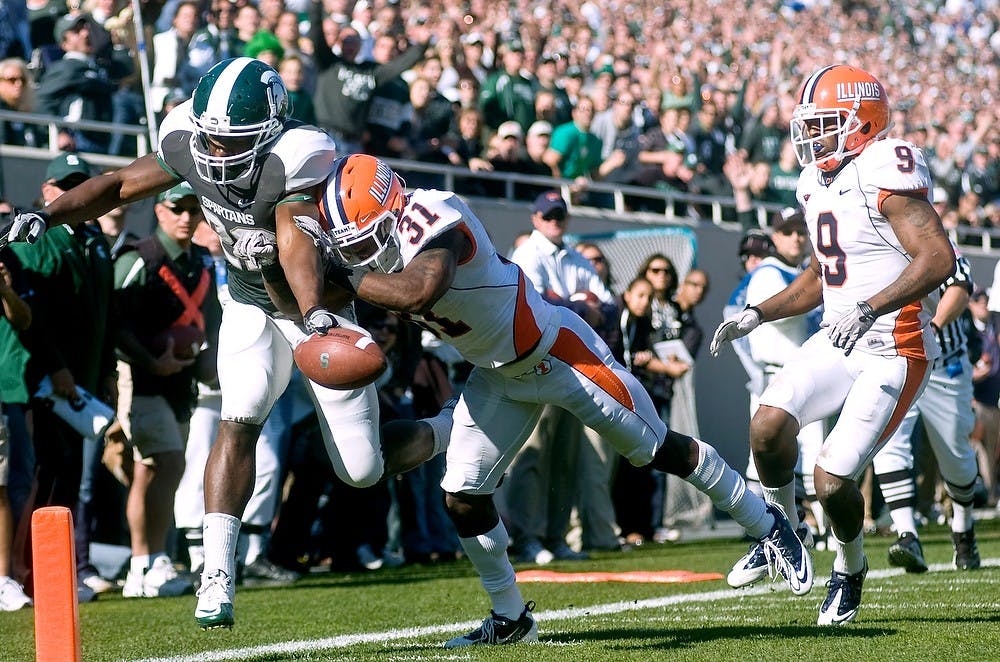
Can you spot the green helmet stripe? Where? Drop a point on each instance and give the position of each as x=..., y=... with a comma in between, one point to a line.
x=219, y=100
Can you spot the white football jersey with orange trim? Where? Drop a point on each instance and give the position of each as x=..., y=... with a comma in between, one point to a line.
x=860, y=254
x=491, y=314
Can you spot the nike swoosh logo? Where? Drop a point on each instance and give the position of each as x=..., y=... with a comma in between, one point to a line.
x=214, y=612
x=846, y=190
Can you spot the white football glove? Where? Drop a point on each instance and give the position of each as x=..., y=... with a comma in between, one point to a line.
x=736, y=326
x=319, y=320
x=846, y=331
x=256, y=247
x=27, y=226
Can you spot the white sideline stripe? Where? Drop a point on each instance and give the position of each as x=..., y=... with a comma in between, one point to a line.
x=345, y=640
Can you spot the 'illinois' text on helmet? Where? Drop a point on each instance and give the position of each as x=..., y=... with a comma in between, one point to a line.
x=362, y=203
x=842, y=102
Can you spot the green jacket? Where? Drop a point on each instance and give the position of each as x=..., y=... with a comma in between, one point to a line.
x=71, y=278
x=504, y=97
x=15, y=355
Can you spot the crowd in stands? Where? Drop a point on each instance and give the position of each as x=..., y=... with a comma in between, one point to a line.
x=652, y=94
x=684, y=96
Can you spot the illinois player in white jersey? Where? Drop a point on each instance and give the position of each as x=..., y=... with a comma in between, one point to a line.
x=428, y=256
x=878, y=249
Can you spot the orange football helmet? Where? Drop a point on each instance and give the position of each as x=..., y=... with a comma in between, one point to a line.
x=361, y=204
x=840, y=101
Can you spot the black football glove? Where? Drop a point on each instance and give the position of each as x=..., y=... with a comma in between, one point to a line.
x=319, y=320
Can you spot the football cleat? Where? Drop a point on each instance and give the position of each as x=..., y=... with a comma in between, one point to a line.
x=158, y=581
x=753, y=566
x=263, y=572
x=499, y=630
x=534, y=552
x=750, y=569
x=12, y=595
x=843, y=598
x=907, y=553
x=215, y=601
x=786, y=554
x=966, y=551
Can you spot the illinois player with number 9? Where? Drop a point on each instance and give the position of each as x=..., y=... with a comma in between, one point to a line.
x=878, y=250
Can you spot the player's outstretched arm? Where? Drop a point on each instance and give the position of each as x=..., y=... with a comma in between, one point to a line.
x=423, y=281
x=300, y=285
x=918, y=228
x=93, y=198
x=297, y=253
x=799, y=297
x=98, y=195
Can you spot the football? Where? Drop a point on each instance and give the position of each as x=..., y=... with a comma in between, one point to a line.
x=343, y=359
x=187, y=341
x=585, y=295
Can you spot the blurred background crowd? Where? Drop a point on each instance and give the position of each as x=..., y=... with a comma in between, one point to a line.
x=681, y=95
x=665, y=94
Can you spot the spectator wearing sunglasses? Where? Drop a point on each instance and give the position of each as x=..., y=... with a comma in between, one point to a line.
x=543, y=480
x=16, y=94
x=169, y=311
x=68, y=275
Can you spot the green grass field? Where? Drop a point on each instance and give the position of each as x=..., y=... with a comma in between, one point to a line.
x=406, y=613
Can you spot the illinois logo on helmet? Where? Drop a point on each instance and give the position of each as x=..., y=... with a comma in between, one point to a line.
x=838, y=101
x=361, y=203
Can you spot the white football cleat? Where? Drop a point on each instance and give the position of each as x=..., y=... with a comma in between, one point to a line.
x=12, y=595
x=215, y=601
x=158, y=581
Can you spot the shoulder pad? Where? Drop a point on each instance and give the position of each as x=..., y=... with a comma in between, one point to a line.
x=178, y=119
x=307, y=154
x=894, y=165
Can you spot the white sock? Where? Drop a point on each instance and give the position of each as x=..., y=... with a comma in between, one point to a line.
x=820, y=516
x=488, y=553
x=784, y=497
x=728, y=491
x=197, y=555
x=254, y=547
x=903, y=520
x=441, y=429
x=809, y=484
x=220, y=534
x=139, y=564
x=961, y=517
x=850, y=557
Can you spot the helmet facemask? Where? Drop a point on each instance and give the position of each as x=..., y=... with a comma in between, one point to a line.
x=242, y=146
x=811, y=148
x=238, y=111
x=376, y=247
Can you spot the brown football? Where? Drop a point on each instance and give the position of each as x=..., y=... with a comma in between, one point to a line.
x=187, y=341
x=343, y=359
